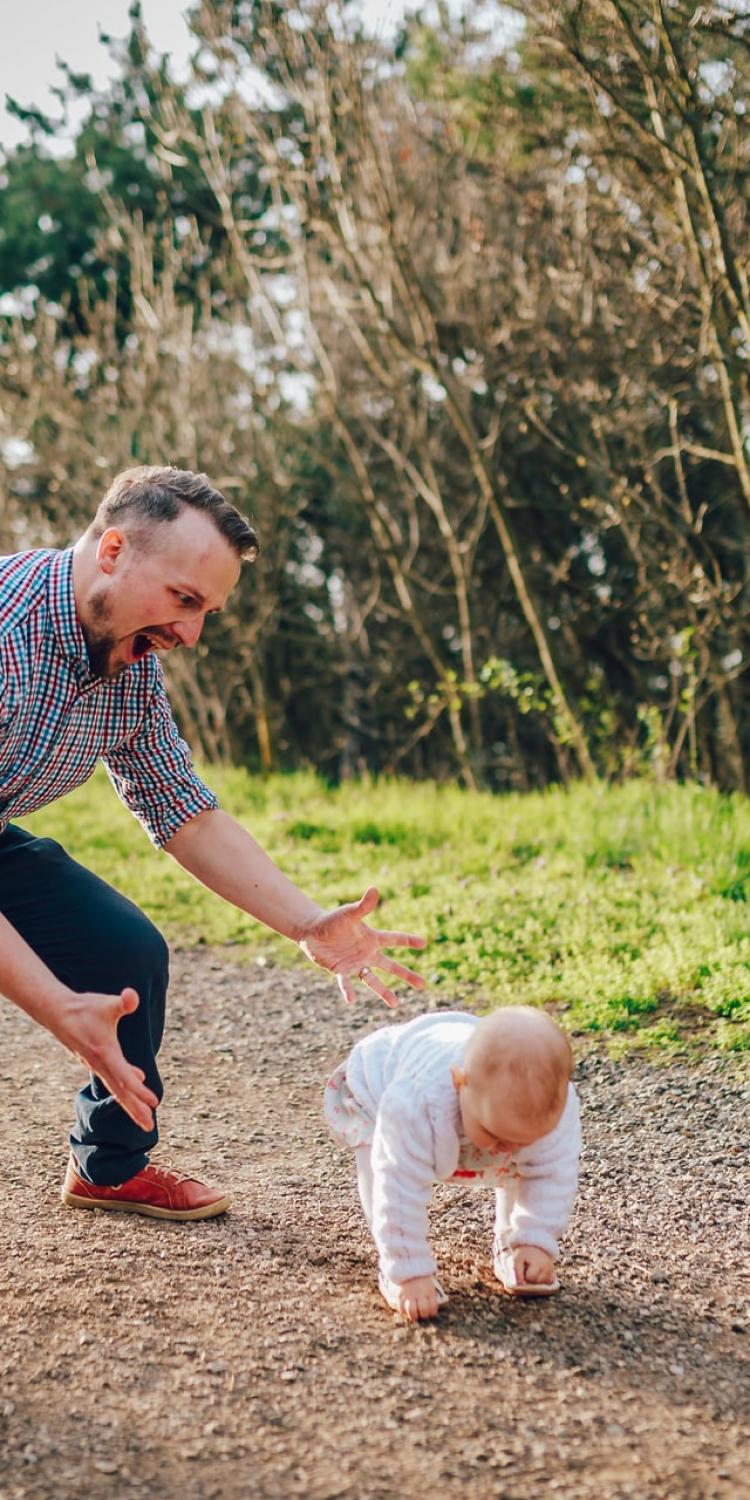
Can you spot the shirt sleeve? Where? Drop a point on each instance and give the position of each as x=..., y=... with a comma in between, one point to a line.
x=153, y=773
x=6, y=686
x=548, y=1181
x=403, y=1176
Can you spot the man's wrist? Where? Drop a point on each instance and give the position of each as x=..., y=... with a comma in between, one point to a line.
x=304, y=929
x=51, y=1005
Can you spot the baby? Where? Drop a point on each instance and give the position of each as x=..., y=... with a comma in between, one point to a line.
x=452, y=1097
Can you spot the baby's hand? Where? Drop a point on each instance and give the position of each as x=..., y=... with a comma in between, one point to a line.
x=532, y=1265
x=418, y=1298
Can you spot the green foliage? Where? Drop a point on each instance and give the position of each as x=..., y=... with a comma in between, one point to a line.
x=498, y=100
x=465, y=324
x=612, y=906
x=55, y=211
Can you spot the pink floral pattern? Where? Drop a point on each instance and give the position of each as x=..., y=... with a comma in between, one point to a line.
x=484, y=1168
x=347, y=1122
x=351, y=1127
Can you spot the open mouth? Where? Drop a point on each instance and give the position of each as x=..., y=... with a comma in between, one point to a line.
x=146, y=640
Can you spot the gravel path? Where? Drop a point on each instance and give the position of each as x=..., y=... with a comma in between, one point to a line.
x=252, y=1357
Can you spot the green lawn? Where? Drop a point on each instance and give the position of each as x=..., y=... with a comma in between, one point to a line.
x=625, y=907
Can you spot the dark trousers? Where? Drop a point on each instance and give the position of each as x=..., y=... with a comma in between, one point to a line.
x=93, y=939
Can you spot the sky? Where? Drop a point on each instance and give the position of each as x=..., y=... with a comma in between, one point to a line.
x=42, y=30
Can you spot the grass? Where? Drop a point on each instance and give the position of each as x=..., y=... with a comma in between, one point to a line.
x=624, y=908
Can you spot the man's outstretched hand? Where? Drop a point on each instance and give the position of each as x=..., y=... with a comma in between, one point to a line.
x=87, y=1026
x=341, y=942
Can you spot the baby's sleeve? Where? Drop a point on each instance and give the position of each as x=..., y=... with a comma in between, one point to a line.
x=546, y=1189
x=403, y=1170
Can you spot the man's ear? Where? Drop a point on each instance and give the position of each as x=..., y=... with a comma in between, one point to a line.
x=460, y=1077
x=109, y=549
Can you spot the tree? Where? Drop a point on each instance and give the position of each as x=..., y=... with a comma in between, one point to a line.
x=477, y=336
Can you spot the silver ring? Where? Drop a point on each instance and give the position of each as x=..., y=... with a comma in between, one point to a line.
x=364, y=972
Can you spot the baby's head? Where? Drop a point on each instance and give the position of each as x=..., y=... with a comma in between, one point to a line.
x=513, y=1083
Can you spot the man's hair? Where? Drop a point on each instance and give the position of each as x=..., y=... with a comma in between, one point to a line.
x=152, y=495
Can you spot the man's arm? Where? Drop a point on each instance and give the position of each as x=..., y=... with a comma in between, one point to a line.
x=85, y=1023
x=219, y=852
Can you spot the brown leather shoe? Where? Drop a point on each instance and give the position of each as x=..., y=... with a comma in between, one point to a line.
x=160, y=1192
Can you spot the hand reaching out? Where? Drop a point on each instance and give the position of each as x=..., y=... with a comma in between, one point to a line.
x=87, y=1026
x=341, y=942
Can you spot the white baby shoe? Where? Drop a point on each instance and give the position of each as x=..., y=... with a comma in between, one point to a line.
x=389, y=1291
x=505, y=1272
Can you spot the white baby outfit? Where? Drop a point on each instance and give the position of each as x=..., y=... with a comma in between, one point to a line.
x=393, y=1101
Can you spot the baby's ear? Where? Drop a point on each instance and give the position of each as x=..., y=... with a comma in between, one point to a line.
x=459, y=1076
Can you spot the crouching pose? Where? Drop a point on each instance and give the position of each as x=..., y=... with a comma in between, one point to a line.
x=451, y=1097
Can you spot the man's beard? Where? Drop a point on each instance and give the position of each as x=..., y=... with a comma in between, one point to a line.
x=100, y=642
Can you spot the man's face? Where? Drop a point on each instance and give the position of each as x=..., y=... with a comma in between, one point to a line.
x=156, y=596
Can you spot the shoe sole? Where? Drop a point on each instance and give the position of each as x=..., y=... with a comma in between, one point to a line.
x=209, y=1210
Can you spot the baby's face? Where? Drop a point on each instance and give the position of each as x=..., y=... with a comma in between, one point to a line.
x=500, y=1126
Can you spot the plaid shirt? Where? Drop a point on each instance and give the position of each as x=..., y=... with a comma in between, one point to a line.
x=57, y=721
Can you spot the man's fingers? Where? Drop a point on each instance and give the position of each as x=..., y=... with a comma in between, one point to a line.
x=138, y=1113
x=130, y=1081
x=399, y=939
x=347, y=988
x=378, y=987
x=367, y=903
x=128, y=1085
x=128, y=1001
x=398, y=971
x=137, y=1109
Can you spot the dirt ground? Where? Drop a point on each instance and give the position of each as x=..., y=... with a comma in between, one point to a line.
x=252, y=1357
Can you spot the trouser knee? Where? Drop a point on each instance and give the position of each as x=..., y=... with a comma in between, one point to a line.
x=107, y=1144
x=146, y=970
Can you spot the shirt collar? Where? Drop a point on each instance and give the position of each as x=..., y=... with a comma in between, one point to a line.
x=65, y=621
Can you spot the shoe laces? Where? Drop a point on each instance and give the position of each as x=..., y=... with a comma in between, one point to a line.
x=168, y=1171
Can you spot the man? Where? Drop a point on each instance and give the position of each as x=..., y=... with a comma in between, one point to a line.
x=79, y=682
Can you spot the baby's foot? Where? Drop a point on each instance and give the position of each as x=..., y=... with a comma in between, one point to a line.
x=505, y=1272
